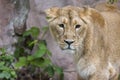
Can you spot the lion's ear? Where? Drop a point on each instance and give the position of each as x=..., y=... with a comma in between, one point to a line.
x=51, y=13
x=97, y=18
x=86, y=10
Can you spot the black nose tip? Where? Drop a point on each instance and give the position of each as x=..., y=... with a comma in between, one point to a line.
x=68, y=42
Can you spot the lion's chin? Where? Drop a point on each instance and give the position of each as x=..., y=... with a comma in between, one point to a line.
x=68, y=51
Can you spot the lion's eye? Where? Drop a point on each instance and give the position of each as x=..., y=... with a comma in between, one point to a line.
x=77, y=26
x=61, y=25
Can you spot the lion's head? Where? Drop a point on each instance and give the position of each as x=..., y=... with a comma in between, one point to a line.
x=70, y=25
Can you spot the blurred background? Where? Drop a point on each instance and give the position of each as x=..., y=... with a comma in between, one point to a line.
x=16, y=16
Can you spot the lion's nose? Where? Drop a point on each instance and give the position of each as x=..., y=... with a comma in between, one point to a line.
x=69, y=42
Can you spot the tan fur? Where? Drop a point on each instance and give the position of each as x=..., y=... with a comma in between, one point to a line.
x=106, y=7
x=96, y=43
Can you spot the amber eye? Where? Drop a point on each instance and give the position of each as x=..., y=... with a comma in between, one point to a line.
x=61, y=25
x=77, y=26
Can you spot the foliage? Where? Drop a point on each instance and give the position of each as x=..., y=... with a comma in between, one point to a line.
x=7, y=72
x=39, y=58
x=31, y=56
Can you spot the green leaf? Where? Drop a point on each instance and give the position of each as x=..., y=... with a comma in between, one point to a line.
x=18, y=52
x=30, y=58
x=2, y=63
x=50, y=71
x=22, y=62
x=46, y=62
x=13, y=74
x=27, y=33
x=37, y=62
x=34, y=32
x=5, y=74
x=2, y=75
x=6, y=57
x=12, y=79
x=42, y=45
x=33, y=42
x=5, y=68
x=39, y=53
x=9, y=58
x=2, y=50
x=41, y=62
x=42, y=50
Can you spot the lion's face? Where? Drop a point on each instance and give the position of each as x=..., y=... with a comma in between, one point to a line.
x=68, y=31
x=68, y=28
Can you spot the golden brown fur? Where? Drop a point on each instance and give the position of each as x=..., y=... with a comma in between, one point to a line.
x=94, y=37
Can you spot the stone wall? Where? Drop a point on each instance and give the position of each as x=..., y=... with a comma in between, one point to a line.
x=13, y=16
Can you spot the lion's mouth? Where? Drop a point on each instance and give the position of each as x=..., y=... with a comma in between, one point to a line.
x=68, y=48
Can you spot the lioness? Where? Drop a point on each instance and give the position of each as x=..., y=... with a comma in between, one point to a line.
x=93, y=36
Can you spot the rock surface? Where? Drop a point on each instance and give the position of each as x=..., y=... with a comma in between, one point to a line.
x=13, y=15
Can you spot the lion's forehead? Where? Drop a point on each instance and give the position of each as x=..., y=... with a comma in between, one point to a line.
x=69, y=12
x=73, y=21
x=69, y=15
